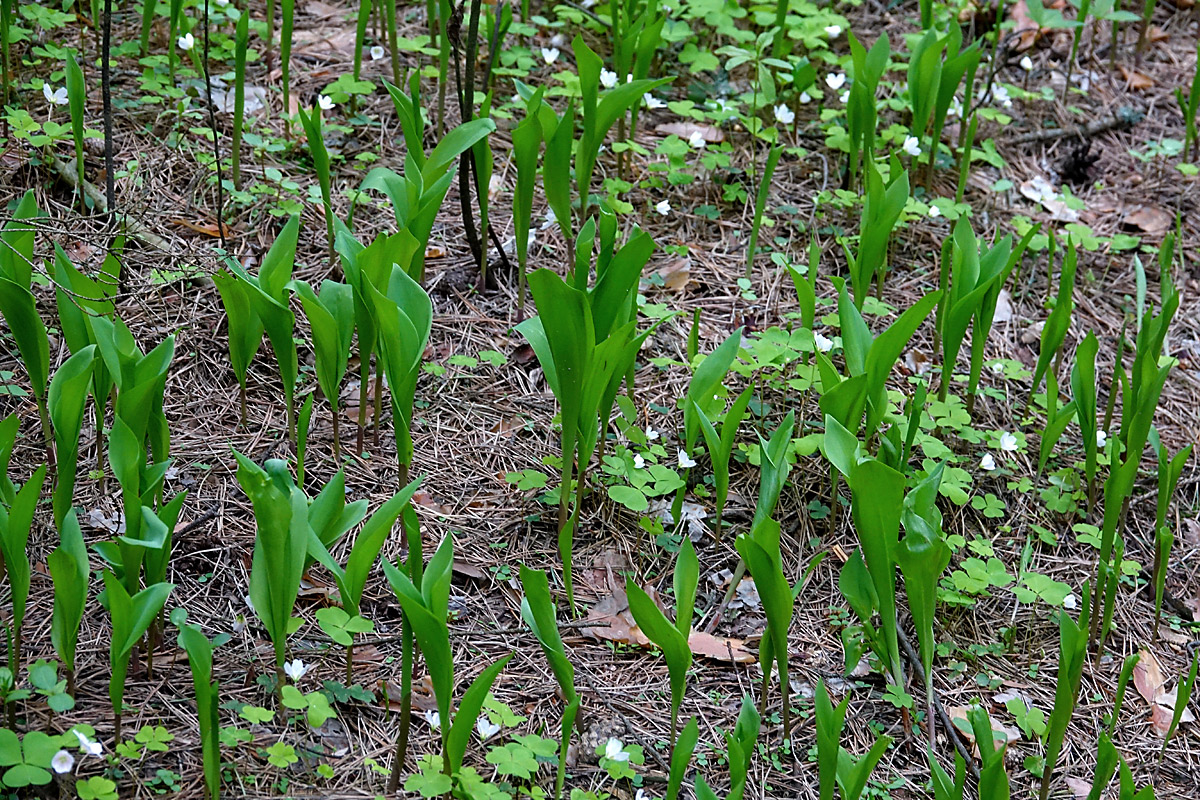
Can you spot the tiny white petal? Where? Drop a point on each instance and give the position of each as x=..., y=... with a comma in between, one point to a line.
x=1027, y=64
x=87, y=745
x=615, y=751
x=987, y=463
x=696, y=140
x=1069, y=602
x=1008, y=442
x=685, y=461
x=663, y=207
x=912, y=146
x=186, y=42
x=823, y=343
x=608, y=78
x=639, y=462
x=805, y=98
x=325, y=102
x=654, y=103
x=833, y=31
x=295, y=669
x=377, y=52
x=550, y=54
x=651, y=434
x=62, y=762
x=835, y=82
x=558, y=40
x=1101, y=438
x=784, y=115
x=486, y=728
x=433, y=718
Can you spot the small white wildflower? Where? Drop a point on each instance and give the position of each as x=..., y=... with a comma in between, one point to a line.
x=608, y=78
x=1027, y=63
x=639, y=462
x=63, y=762
x=486, y=728
x=651, y=434
x=186, y=42
x=641, y=795
x=1008, y=442
x=833, y=31
x=935, y=212
x=956, y=108
x=550, y=220
x=325, y=102
x=998, y=368
x=784, y=115
x=87, y=745
x=57, y=97
x=653, y=103
x=912, y=146
x=1069, y=602
x=433, y=718
x=558, y=40
x=1101, y=438
x=987, y=463
x=550, y=54
x=845, y=96
x=628, y=77
x=685, y=461
x=696, y=140
x=822, y=343
x=377, y=52
x=835, y=82
x=1001, y=96
x=615, y=751
x=222, y=3
x=295, y=669
x=805, y=98
x=663, y=207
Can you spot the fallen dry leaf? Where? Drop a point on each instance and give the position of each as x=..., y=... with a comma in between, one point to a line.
x=468, y=570
x=205, y=228
x=434, y=251
x=1147, y=676
x=1135, y=79
x=614, y=610
x=960, y=715
x=684, y=130
x=425, y=500
x=720, y=648
x=674, y=275
x=1149, y=219
x=917, y=362
x=1026, y=30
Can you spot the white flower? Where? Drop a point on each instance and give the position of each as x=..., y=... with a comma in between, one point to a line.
x=784, y=115
x=1027, y=63
x=935, y=212
x=1000, y=95
x=57, y=97
x=1008, y=442
x=222, y=3
x=835, y=82
x=486, y=728
x=653, y=103
x=615, y=751
x=186, y=42
x=1069, y=602
x=295, y=669
x=641, y=795
x=998, y=368
x=325, y=102
x=1101, y=438
x=558, y=40
x=956, y=108
x=696, y=140
x=87, y=745
x=639, y=462
x=62, y=762
x=805, y=98
x=912, y=146
x=833, y=31
x=628, y=77
x=377, y=52
x=663, y=207
x=651, y=434
x=987, y=462
x=249, y=604
x=550, y=220
x=433, y=718
x=845, y=96
x=608, y=78
x=550, y=54
x=685, y=462
x=822, y=343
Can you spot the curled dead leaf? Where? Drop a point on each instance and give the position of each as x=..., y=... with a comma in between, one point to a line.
x=1149, y=219
x=1135, y=80
x=720, y=648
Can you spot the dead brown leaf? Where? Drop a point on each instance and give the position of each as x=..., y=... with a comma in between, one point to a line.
x=720, y=648
x=1026, y=30
x=674, y=276
x=204, y=228
x=1147, y=676
x=434, y=251
x=468, y=570
x=425, y=500
x=614, y=610
x=1135, y=79
x=685, y=129
x=1149, y=219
